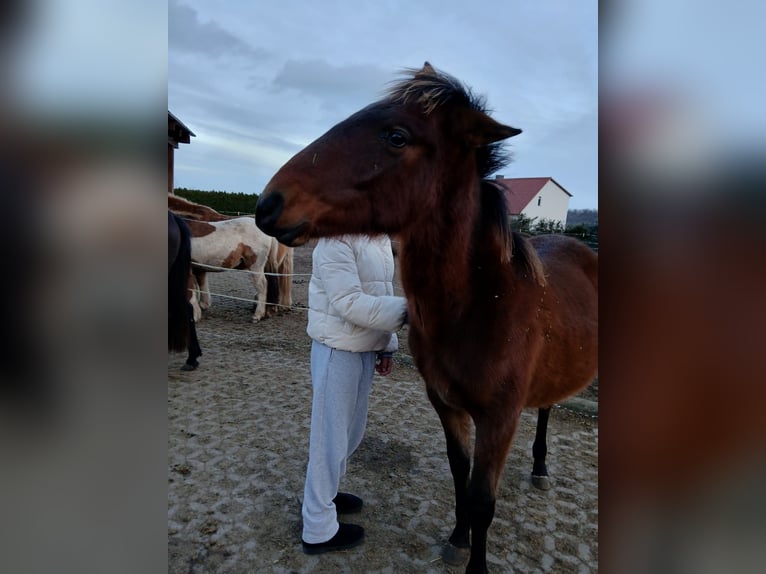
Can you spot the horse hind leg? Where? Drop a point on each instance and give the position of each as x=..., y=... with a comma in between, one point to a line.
x=272, y=296
x=259, y=280
x=540, y=477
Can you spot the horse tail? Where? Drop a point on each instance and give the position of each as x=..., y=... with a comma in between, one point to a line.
x=286, y=276
x=180, y=315
x=272, y=280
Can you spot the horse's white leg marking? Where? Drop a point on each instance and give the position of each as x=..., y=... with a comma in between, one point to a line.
x=194, y=299
x=204, y=291
x=259, y=280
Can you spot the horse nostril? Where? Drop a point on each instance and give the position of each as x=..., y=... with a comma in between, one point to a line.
x=268, y=209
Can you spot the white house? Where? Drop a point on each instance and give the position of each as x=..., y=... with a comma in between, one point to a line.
x=540, y=197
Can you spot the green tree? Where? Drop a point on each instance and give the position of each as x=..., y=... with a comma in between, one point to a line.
x=222, y=201
x=548, y=226
x=523, y=223
x=587, y=233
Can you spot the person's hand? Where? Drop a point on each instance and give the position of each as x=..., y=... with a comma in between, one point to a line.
x=384, y=364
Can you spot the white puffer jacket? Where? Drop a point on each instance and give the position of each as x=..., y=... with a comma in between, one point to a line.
x=352, y=306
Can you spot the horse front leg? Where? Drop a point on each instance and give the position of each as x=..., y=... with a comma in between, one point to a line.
x=194, y=349
x=194, y=298
x=494, y=433
x=202, y=288
x=457, y=431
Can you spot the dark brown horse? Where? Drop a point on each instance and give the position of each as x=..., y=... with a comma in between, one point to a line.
x=497, y=322
x=182, y=333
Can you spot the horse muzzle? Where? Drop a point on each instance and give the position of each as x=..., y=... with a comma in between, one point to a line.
x=268, y=210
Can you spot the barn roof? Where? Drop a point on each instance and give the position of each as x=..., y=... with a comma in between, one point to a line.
x=177, y=131
x=519, y=191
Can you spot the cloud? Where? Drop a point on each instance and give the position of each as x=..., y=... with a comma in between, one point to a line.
x=186, y=33
x=336, y=87
x=261, y=80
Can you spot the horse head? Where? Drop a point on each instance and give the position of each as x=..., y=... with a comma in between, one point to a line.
x=371, y=172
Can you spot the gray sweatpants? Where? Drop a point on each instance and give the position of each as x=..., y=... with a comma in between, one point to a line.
x=342, y=381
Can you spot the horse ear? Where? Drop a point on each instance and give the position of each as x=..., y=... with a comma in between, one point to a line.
x=426, y=70
x=483, y=130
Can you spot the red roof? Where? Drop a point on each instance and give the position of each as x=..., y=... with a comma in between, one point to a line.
x=519, y=191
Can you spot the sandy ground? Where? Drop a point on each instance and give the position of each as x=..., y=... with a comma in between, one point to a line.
x=238, y=442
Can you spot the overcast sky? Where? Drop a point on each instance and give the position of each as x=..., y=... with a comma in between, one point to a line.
x=257, y=81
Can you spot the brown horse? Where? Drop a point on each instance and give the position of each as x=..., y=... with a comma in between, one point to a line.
x=196, y=211
x=497, y=322
x=182, y=333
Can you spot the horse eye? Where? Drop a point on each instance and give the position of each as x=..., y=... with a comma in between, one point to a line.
x=397, y=138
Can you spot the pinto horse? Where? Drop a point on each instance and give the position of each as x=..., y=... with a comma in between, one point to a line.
x=497, y=322
x=182, y=333
x=234, y=244
x=278, y=269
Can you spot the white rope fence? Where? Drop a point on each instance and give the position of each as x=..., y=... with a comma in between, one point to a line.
x=207, y=267
x=253, y=301
x=215, y=268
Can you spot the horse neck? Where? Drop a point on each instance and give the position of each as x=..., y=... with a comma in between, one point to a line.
x=437, y=251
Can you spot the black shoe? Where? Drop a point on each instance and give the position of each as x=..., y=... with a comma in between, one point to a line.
x=347, y=503
x=348, y=536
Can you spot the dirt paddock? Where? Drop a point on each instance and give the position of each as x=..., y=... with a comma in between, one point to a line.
x=237, y=451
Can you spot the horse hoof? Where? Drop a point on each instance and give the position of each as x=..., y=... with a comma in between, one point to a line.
x=454, y=555
x=188, y=367
x=541, y=482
